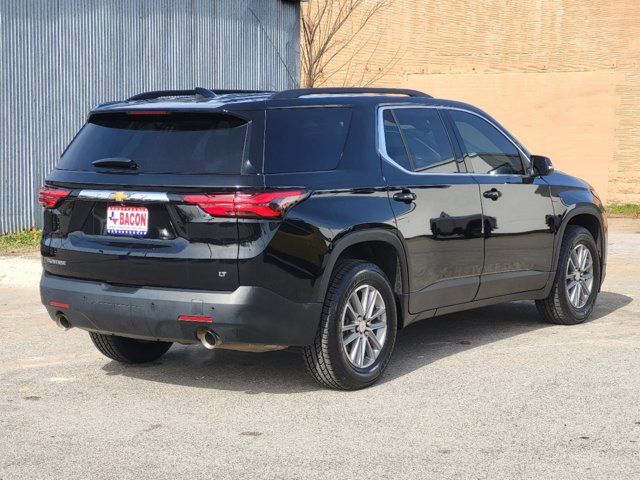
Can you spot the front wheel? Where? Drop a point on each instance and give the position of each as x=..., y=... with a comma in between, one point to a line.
x=129, y=350
x=577, y=280
x=357, y=331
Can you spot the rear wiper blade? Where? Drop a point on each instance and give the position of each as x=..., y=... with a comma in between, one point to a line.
x=115, y=162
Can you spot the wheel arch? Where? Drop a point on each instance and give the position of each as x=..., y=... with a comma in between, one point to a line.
x=589, y=217
x=373, y=245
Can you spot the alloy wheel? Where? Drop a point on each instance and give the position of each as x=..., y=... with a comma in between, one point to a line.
x=579, y=276
x=364, y=326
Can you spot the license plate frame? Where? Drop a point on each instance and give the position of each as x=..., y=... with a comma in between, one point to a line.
x=127, y=221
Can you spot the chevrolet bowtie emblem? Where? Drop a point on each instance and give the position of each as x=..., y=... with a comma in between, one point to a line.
x=119, y=196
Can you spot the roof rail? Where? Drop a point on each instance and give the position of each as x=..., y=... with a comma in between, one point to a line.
x=301, y=92
x=199, y=93
x=225, y=91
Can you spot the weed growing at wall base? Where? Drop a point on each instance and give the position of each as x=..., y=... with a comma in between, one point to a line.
x=624, y=210
x=26, y=240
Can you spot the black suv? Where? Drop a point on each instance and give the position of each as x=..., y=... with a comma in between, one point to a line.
x=325, y=219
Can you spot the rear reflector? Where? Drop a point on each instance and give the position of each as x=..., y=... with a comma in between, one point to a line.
x=195, y=318
x=51, y=197
x=247, y=205
x=53, y=303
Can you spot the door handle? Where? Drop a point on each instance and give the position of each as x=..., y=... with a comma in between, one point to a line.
x=494, y=194
x=406, y=196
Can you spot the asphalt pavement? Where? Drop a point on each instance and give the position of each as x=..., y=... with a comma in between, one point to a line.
x=486, y=394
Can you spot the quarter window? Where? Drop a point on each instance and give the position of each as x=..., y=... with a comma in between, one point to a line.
x=309, y=139
x=420, y=139
x=487, y=149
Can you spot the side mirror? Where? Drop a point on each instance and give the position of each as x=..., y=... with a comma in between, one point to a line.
x=542, y=166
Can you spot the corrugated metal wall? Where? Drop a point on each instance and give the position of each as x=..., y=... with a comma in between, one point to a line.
x=58, y=58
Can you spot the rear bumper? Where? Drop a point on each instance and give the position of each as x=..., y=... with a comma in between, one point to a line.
x=247, y=315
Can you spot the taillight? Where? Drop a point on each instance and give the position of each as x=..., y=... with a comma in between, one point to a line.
x=51, y=197
x=247, y=205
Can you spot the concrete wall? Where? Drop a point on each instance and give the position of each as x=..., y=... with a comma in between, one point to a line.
x=562, y=75
x=60, y=58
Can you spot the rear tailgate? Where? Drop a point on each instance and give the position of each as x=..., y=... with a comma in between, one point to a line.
x=137, y=167
x=183, y=247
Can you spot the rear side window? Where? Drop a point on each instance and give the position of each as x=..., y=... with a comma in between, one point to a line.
x=416, y=139
x=305, y=139
x=488, y=150
x=394, y=142
x=180, y=143
x=427, y=139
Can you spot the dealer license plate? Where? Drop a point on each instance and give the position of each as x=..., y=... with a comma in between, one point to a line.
x=132, y=221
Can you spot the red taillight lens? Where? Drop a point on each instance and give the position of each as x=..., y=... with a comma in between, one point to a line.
x=222, y=205
x=248, y=205
x=268, y=204
x=51, y=197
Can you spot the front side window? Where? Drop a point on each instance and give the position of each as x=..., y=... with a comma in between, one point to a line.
x=488, y=150
x=423, y=139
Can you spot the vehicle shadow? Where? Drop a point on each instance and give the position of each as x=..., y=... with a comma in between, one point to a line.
x=425, y=342
x=417, y=346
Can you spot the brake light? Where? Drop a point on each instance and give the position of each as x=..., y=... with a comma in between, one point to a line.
x=51, y=197
x=222, y=205
x=147, y=112
x=248, y=205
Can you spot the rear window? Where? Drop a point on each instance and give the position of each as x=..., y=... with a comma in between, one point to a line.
x=305, y=139
x=166, y=143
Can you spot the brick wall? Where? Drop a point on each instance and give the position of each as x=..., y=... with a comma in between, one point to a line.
x=562, y=75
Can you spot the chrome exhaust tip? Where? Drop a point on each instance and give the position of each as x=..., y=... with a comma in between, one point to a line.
x=63, y=322
x=207, y=338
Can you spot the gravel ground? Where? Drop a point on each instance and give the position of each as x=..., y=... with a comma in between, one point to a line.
x=491, y=393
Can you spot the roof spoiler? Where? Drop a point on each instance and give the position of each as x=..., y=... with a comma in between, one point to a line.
x=201, y=94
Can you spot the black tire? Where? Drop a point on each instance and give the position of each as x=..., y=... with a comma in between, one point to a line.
x=326, y=359
x=557, y=308
x=129, y=350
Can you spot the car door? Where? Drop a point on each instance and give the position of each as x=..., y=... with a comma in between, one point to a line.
x=517, y=209
x=436, y=206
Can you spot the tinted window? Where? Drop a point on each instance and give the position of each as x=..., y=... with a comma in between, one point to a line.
x=426, y=139
x=393, y=141
x=169, y=143
x=305, y=139
x=489, y=151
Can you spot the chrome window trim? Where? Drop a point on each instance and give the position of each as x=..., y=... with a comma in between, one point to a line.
x=126, y=196
x=382, y=147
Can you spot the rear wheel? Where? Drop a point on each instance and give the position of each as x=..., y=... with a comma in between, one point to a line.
x=577, y=280
x=129, y=350
x=357, y=331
